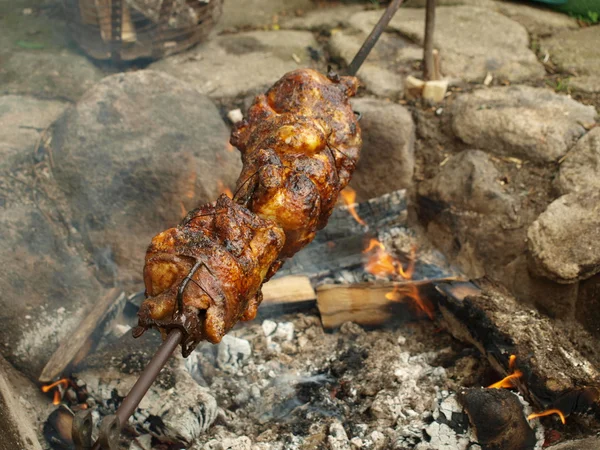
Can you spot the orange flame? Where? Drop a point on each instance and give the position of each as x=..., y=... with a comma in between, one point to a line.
x=349, y=198
x=511, y=362
x=383, y=264
x=507, y=382
x=63, y=382
x=548, y=413
x=224, y=189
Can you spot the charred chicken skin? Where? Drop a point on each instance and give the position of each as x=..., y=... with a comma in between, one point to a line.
x=300, y=144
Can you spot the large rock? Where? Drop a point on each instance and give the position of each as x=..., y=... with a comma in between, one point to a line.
x=580, y=170
x=534, y=124
x=389, y=62
x=47, y=286
x=240, y=64
x=22, y=120
x=58, y=75
x=387, y=159
x=537, y=21
x=564, y=242
x=470, y=216
x=321, y=19
x=575, y=51
x=472, y=41
x=132, y=157
x=258, y=13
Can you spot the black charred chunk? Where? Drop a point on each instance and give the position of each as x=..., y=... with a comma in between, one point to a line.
x=498, y=419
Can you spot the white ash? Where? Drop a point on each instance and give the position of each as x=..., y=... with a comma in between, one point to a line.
x=352, y=389
x=175, y=409
x=235, y=116
x=232, y=352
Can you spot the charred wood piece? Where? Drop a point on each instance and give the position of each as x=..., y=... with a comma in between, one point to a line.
x=498, y=419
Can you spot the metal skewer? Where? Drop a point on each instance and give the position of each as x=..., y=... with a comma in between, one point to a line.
x=373, y=37
x=110, y=427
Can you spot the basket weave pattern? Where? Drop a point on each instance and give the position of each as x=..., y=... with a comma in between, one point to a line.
x=131, y=29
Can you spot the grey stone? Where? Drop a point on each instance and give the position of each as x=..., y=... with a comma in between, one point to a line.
x=387, y=159
x=22, y=120
x=133, y=156
x=580, y=170
x=240, y=64
x=591, y=443
x=472, y=41
x=59, y=75
x=470, y=216
x=422, y=3
x=577, y=51
x=555, y=300
x=321, y=19
x=258, y=13
x=47, y=288
x=537, y=21
x=534, y=124
x=564, y=242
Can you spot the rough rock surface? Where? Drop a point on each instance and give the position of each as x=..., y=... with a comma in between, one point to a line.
x=389, y=62
x=588, y=304
x=61, y=75
x=564, y=242
x=133, y=156
x=240, y=64
x=575, y=51
x=257, y=13
x=472, y=41
x=387, y=159
x=22, y=120
x=537, y=21
x=321, y=19
x=47, y=287
x=580, y=170
x=470, y=215
x=533, y=124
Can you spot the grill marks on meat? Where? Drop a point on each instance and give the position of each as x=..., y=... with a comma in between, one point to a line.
x=299, y=144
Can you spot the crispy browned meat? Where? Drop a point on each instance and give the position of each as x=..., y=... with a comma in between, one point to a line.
x=299, y=145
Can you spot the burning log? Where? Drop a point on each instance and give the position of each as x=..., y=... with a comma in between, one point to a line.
x=16, y=430
x=72, y=346
x=559, y=366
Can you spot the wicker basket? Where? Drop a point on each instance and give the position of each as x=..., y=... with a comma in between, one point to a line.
x=124, y=30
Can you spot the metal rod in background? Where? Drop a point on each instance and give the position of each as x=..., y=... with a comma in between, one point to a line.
x=373, y=37
x=147, y=377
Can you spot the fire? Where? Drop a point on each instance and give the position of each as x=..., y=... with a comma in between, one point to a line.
x=507, y=382
x=349, y=198
x=383, y=264
x=548, y=412
x=224, y=189
x=60, y=384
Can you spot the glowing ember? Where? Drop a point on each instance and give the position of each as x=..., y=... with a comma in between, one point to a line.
x=224, y=189
x=511, y=362
x=548, y=413
x=507, y=382
x=57, y=398
x=349, y=198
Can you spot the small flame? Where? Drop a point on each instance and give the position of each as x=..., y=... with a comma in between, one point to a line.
x=224, y=189
x=349, y=198
x=507, y=382
x=511, y=362
x=548, y=413
x=60, y=384
x=383, y=264
x=64, y=382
